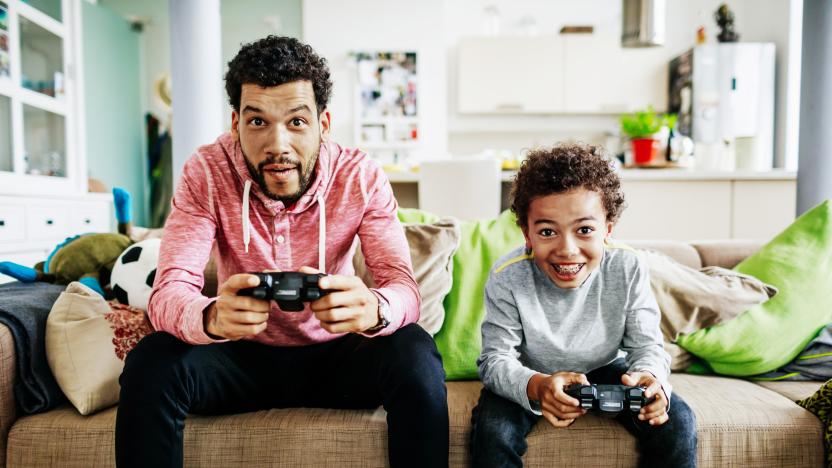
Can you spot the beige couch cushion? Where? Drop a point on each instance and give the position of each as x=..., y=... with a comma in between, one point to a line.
x=793, y=390
x=739, y=424
x=682, y=252
x=742, y=424
x=8, y=373
x=726, y=253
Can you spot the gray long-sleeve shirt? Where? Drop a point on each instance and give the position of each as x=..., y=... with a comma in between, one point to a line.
x=532, y=325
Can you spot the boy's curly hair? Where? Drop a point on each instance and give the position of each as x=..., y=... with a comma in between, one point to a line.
x=564, y=167
x=273, y=61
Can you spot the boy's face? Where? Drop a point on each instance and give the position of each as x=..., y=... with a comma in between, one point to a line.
x=567, y=231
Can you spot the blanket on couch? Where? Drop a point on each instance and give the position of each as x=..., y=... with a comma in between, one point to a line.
x=24, y=308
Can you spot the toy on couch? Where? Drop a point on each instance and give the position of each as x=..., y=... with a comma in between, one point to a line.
x=87, y=258
x=134, y=272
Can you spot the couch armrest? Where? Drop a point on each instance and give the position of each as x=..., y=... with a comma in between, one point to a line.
x=8, y=406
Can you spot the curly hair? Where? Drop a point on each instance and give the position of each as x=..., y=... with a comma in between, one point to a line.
x=273, y=61
x=564, y=167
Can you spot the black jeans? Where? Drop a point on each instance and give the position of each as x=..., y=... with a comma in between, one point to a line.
x=164, y=379
x=500, y=427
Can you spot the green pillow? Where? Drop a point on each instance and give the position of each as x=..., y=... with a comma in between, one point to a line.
x=414, y=216
x=481, y=244
x=799, y=263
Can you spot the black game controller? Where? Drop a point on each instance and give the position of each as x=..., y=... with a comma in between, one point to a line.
x=609, y=399
x=290, y=289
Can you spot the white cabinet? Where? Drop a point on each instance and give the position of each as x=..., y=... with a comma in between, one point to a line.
x=41, y=114
x=511, y=75
x=763, y=208
x=31, y=227
x=679, y=210
x=602, y=77
x=567, y=73
x=12, y=223
x=707, y=209
x=47, y=221
x=43, y=180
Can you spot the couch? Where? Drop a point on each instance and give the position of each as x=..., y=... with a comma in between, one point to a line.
x=739, y=422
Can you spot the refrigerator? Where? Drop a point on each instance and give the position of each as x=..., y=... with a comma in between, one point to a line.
x=724, y=97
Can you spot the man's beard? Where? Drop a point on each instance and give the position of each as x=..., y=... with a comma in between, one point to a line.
x=259, y=175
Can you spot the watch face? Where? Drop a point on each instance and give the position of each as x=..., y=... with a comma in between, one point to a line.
x=384, y=310
x=384, y=314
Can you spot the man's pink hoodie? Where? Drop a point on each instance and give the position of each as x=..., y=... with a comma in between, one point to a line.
x=207, y=216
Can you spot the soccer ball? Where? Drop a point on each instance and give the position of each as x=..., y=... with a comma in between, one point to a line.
x=134, y=273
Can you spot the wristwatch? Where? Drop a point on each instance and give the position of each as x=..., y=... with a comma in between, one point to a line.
x=383, y=315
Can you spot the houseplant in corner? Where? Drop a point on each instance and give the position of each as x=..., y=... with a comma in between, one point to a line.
x=641, y=127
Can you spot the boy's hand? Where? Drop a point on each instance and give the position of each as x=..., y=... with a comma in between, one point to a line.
x=655, y=413
x=558, y=408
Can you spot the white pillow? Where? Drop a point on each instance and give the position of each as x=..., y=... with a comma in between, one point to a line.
x=87, y=339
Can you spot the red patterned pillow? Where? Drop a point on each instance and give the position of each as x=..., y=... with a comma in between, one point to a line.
x=129, y=325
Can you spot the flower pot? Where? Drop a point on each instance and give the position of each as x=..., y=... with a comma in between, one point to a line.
x=644, y=150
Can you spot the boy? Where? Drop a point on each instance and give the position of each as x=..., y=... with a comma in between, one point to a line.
x=560, y=312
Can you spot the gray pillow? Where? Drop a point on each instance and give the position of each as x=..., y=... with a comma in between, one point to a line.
x=432, y=248
x=691, y=299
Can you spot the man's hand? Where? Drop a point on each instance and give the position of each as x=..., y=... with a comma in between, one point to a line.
x=558, y=408
x=234, y=317
x=655, y=413
x=350, y=307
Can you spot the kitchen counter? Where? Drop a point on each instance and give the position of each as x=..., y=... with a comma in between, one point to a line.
x=399, y=177
x=691, y=204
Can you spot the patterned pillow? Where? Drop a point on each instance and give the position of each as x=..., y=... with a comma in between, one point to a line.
x=820, y=404
x=87, y=339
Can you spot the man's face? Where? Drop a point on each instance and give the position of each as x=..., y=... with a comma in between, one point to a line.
x=566, y=231
x=280, y=133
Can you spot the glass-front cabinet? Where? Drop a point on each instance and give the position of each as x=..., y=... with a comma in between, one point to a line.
x=39, y=113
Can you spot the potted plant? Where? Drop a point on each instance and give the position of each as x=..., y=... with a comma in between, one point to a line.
x=641, y=127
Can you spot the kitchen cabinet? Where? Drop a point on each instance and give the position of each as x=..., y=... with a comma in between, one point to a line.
x=762, y=208
x=726, y=208
x=511, y=75
x=678, y=210
x=679, y=204
x=602, y=77
x=558, y=74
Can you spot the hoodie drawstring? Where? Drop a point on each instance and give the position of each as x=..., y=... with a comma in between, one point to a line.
x=322, y=235
x=246, y=224
x=321, y=226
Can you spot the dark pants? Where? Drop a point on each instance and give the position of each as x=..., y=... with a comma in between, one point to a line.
x=500, y=426
x=164, y=379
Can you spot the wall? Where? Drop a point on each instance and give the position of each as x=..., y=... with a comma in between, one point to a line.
x=756, y=20
x=335, y=28
x=242, y=21
x=114, y=126
x=249, y=20
x=434, y=27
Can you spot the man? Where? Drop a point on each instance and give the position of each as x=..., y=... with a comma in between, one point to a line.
x=258, y=197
